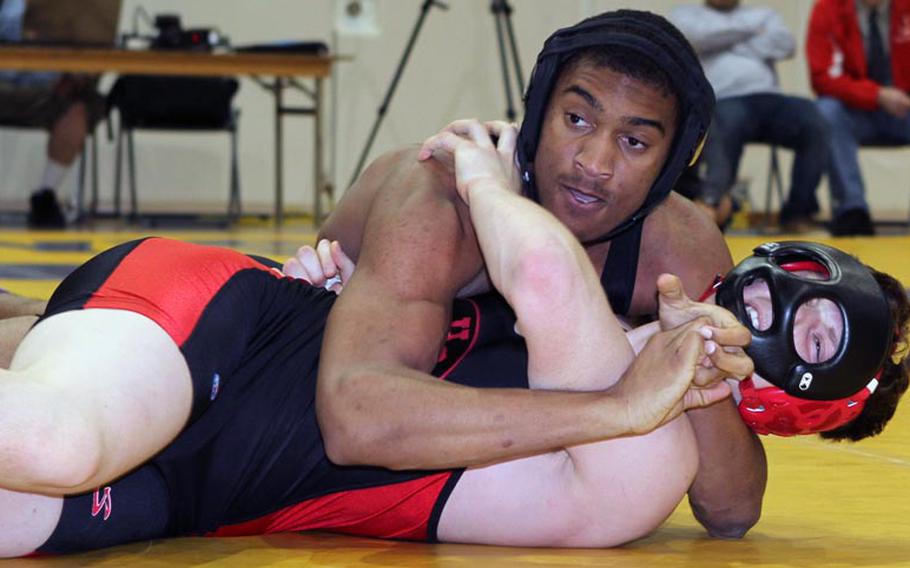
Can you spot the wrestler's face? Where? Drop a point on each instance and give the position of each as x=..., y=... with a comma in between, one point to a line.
x=604, y=140
x=817, y=329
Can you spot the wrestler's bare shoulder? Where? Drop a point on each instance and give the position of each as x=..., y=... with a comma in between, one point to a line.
x=679, y=238
x=394, y=176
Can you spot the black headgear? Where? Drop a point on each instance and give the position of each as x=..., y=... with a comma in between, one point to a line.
x=651, y=36
x=868, y=329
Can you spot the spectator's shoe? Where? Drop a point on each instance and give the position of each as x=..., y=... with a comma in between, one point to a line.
x=799, y=225
x=853, y=222
x=44, y=211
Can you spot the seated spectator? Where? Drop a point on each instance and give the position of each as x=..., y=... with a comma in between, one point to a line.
x=859, y=63
x=67, y=106
x=738, y=47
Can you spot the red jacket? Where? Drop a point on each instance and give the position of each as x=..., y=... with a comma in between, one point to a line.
x=837, y=58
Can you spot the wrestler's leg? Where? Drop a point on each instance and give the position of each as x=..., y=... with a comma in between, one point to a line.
x=26, y=521
x=12, y=330
x=12, y=306
x=135, y=507
x=89, y=396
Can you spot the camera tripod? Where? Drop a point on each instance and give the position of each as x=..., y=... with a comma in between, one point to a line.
x=505, y=35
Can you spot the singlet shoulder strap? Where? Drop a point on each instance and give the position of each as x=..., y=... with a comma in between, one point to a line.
x=618, y=277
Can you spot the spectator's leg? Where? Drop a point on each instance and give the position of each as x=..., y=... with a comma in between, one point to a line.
x=849, y=129
x=795, y=123
x=730, y=130
x=67, y=136
x=891, y=131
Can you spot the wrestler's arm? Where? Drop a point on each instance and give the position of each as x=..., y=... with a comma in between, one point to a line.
x=726, y=496
x=597, y=494
x=17, y=315
x=376, y=402
x=13, y=306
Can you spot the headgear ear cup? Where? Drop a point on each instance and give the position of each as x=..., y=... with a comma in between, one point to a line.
x=652, y=37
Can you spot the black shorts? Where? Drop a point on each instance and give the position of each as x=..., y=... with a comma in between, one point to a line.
x=251, y=340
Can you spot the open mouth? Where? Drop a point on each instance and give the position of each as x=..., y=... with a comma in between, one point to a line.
x=753, y=316
x=582, y=198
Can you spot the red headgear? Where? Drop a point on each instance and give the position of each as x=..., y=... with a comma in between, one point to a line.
x=772, y=411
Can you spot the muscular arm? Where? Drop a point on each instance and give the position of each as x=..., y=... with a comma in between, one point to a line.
x=376, y=403
x=727, y=493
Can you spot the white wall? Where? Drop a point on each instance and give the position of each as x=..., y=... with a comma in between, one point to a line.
x=453, y=72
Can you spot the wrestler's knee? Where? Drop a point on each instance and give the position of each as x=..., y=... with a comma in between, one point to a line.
x=26, y=522
x=52, y=445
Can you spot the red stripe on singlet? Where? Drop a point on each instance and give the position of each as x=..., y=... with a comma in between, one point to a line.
x=400, y=511
x=170, y=282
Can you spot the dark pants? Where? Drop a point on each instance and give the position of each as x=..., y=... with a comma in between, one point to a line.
x=768, y=118
x=850, y=129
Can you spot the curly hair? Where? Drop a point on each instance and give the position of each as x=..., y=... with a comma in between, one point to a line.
x=893, y=382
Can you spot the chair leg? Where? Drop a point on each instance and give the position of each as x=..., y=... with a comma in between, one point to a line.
x=94, y=202
x=131, y=165
x=775, y=187
x=80, y=192
x=80, y=187
x=118, y=170
x=234, y=206
x=769, y=190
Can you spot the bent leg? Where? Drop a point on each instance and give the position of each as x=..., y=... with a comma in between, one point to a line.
x=545, y=501
x=26, y=521
x=67, y=135
x=732, y=127
x=795, y=123
x=136, y=507
x=89, y=396
x=849, y=129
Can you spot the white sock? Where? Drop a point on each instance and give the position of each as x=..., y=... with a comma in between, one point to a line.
x=54, y=172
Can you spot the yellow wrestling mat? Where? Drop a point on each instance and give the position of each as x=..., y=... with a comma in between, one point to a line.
x=827, y=505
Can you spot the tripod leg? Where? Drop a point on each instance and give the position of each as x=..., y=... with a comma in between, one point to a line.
x=513, y=45
x=495, y=7
x=391, y=90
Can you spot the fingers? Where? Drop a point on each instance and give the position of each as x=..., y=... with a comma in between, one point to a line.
x=439, y=146
x=320, y=265
x=345, y=265
x=472, y=129
x=720, y=366
x=508, y=137
x=736, y=335
x=733, y=362
x=698, y=397
x=294, y=269
x=324, y=256
x=690, y=344
x=670, y=287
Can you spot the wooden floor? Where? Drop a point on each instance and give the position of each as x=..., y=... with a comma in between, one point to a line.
x=827, y=505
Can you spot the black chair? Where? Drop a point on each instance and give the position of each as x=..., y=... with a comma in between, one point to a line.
x=187, y=104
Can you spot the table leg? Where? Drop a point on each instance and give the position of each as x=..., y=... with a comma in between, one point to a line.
x=278, y=88
x=318, y=165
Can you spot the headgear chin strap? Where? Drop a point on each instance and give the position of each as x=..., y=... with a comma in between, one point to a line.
x=868, y=329
x=653, y=38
